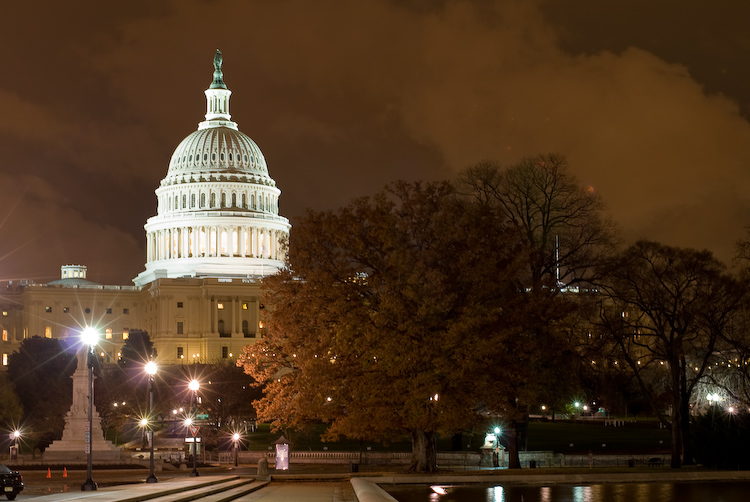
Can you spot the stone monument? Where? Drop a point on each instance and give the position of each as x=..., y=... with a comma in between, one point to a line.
x=72, y=446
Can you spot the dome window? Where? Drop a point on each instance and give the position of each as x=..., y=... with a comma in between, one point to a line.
x=190, y=159
x=223, y=200
x=222, y=156
x=251, y=159
x=230, y=157
x=213, y=156
x=192, y=200
x=205, y=156
x=245, y=157
x=234, y=200
x=213, y=200
x=203, y=200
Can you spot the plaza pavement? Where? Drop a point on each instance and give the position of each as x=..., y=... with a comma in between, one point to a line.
x=316, y=483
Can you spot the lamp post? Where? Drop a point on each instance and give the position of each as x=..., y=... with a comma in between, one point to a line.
x=14, y=436
x=194, y=386
x=236, y=439
x=151, y=371
x=89, y=337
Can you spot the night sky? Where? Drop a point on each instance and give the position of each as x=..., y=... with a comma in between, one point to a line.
x=649, y=100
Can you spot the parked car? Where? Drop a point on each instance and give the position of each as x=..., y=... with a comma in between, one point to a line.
x=11, y=482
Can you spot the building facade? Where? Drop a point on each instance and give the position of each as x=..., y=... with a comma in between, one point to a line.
x=216, y=234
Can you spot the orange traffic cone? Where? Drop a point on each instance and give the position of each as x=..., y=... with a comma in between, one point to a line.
x=49, y=474
x=65, y=472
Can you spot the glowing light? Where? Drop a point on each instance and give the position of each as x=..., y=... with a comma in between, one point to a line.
x=194, y=385
x=236, y=436
x=439, y=490
x=89, y=336
x=151, y=368
x=144, y=422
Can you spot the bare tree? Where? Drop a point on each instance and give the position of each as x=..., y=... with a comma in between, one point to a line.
x=666, y=309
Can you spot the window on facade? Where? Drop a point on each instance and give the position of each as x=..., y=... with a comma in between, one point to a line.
x=180, y=354
x=213, y=200
x=5, y=359
x=109, y=311
x=179, y=305
x=223, y=200
x=234, y=200
x=203, y=200
x=243, y=200
x=5, y=335
x=126, y=311
x=222, y=332
x=5, y=313
x=48, y=309
x=179, y=327
x=224, y=352
x=108, y=333
x=220, y=306
x=192, y=200
x=245, y=329
x=244, y=306
x=125, y=333
x=66, y=310
x=87, y=310
x=48, y=332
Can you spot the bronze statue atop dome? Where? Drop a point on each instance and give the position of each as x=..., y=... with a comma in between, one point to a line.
x=218, y=82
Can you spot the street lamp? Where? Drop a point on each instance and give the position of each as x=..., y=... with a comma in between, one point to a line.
x=14, y=436
x=236, y=439
x=151, y=371
x=89, y=337
x=194, y=386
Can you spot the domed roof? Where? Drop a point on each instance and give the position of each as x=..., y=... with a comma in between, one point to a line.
x=215, y=152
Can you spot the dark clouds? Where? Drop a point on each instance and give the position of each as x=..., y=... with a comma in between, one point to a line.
x=343, y=97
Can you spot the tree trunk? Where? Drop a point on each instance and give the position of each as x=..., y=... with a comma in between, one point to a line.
x=513, y=461
x=423, y=451
x=687, y=447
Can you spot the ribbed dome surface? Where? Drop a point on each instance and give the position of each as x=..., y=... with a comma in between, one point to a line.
x=217, y=151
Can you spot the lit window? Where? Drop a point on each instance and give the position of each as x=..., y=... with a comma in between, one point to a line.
x=5, y=335
x=48, y=332
x=66, y=310
x=5, y=313
x=108, y=333
x=220, y=306
x=244, y=306
x=5, y=359
x=125, y=333
x=48, y=309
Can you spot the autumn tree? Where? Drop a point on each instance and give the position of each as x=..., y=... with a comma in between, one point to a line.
x=666, y=310
x=380, y=324
x=565, y=233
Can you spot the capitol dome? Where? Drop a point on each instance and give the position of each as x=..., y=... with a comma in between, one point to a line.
x=217, y=210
